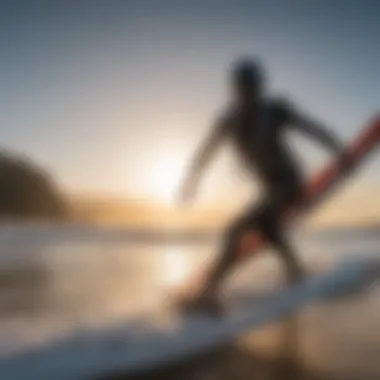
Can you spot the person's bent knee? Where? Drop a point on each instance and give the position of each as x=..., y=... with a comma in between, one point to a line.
x=266, y=224
x=233, y=238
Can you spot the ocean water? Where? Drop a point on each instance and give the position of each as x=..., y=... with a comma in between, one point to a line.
x=56, y=280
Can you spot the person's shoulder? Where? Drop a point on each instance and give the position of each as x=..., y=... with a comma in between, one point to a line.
x=281, y=103
x=227, y=115
x=282, y=106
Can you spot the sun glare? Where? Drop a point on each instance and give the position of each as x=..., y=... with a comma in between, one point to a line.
x=176, y=267
x=166, y=173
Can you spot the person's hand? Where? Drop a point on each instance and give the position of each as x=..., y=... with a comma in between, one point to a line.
x=187, y=192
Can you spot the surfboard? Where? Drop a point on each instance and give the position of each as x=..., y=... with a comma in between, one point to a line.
x=150, y=342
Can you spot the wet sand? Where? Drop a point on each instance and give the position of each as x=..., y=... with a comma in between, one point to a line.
x=336, y=341
x=239, y=361
x=225, y=364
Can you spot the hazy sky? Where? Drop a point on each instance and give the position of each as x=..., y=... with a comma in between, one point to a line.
x=113, y=96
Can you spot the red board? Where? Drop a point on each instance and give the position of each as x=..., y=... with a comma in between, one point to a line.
x=321, y=185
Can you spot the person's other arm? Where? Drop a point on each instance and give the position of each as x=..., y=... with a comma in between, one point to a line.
x=317, y=131
x=201, y=159
x=323, y=135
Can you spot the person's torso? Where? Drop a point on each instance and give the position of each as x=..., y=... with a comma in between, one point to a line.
x=258, y=136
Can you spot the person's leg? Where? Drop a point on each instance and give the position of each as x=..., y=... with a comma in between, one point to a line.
x=228, y=257
x=269, y=224
x=282, y=246
x=264, y=219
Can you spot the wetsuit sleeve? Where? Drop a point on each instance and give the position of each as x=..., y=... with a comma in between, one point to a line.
x=315, y=130
x=210, y=144
x=283, y=111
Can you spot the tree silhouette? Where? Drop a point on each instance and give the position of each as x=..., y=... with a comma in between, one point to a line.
x=26, y=190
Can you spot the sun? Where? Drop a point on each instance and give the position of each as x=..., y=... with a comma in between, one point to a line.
x=167, y=173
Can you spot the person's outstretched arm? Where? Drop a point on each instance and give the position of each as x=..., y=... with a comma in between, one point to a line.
x=325, y=136
x=319, y=132
x=202, y=157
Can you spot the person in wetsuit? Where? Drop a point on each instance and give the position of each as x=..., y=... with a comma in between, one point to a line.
x=256, y=124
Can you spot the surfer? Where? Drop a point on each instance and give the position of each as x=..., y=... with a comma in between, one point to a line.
x=255, y=124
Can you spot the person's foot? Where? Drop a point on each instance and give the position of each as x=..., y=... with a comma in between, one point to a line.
x=208, y=304
x=294, y=276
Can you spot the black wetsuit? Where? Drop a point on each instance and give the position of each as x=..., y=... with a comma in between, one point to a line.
x=258, y=136
x=257, y=133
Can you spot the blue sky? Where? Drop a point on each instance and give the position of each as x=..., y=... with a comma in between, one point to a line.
x=113, y=96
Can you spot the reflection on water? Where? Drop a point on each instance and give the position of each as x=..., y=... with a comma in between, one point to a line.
x=176, y=266
x=57, y=286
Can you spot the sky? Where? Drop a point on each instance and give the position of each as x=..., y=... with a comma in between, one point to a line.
x=114, y=96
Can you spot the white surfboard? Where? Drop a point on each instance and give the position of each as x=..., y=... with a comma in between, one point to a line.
x=154, y=341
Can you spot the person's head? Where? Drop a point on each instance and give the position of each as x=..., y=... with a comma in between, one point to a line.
x=247, y=80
